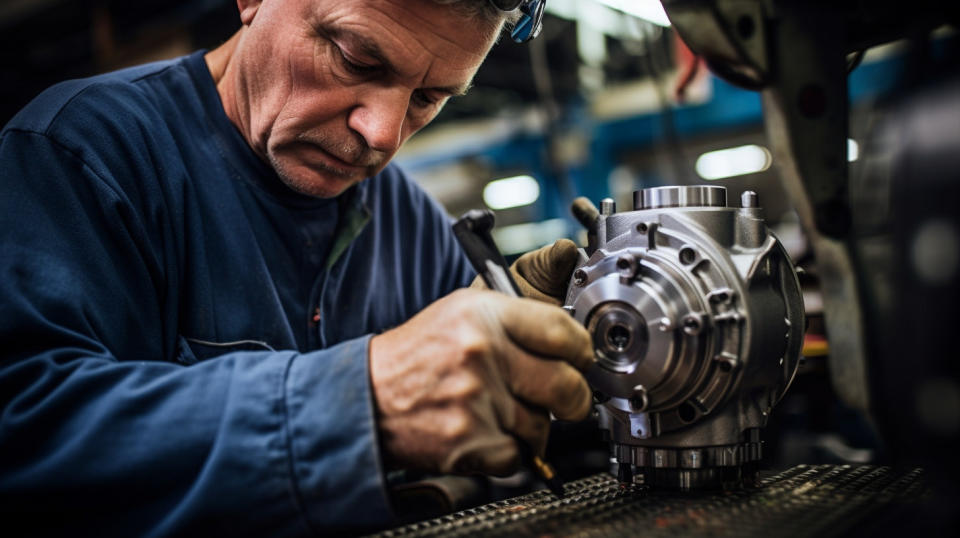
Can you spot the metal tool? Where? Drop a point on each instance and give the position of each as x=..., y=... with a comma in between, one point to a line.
x=473, y=232
x=697, y=321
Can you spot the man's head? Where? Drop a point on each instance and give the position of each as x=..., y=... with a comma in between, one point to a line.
x=327, y=91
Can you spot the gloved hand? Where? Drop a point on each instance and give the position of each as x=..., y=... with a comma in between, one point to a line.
x=458, y=383
x=543, y=274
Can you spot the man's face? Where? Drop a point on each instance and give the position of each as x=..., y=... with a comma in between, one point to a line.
x=328, y=90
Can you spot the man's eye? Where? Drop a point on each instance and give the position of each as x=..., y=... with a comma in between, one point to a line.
x=421, y=99
x=355, y=67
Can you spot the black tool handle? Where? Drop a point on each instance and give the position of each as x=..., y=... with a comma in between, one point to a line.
x=473, y=233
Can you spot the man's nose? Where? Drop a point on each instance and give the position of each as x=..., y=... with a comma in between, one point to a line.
x=380, y=118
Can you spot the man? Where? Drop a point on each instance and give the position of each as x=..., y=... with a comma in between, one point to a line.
x=222, y=311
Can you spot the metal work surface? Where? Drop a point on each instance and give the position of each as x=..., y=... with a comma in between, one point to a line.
x=807, y=500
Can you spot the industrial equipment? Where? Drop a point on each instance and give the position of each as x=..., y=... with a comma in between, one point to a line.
x=697, y=320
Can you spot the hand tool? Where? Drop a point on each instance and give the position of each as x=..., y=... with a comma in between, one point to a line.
x=473, y=232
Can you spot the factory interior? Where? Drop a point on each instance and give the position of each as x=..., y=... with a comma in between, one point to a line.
x=837, y=124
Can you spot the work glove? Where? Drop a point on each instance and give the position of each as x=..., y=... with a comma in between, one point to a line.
x=544, y=274
x=460, y=384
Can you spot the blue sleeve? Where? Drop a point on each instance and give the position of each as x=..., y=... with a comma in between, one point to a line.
x=106, y=428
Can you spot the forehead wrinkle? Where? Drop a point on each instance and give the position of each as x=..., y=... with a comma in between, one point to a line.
x=371, y=46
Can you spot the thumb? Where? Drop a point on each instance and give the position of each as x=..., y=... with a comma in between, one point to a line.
x=544, y=273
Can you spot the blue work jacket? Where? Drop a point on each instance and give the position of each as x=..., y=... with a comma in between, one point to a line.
x=183, y=339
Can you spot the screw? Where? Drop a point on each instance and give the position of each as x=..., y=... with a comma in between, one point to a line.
x=692, y=324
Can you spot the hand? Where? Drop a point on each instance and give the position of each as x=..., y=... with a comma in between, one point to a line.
x=543, y=274
x=457, y=382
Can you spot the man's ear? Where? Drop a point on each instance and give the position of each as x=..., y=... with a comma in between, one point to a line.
x=248, y=9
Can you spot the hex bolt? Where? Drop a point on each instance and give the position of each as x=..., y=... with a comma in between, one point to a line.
x=579, y=277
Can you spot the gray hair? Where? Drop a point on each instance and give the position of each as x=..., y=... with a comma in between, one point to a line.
x=483, y=10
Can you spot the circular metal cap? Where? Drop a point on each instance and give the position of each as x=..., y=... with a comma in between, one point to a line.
x=680, y=196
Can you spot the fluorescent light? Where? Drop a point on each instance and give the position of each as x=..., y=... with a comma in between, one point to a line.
x=511, y=192
x=853, y=150
x=648, y=10
x=520, y=238
x=733, y=162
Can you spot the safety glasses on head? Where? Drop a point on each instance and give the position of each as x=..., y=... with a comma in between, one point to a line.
x=531, y=20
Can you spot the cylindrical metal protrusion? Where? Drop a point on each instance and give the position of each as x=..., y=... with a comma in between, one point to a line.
x=680, y=196
x=608, y=207
x=749, y=199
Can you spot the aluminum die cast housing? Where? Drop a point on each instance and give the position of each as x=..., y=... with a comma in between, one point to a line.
x=697, y=321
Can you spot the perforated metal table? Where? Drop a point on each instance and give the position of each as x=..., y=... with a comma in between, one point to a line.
x=807, y=500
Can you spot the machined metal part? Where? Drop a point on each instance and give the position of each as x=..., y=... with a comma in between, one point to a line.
x=697, y=322
x=814, y=501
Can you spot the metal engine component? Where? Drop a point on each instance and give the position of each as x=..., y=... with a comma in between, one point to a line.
x=697, y=320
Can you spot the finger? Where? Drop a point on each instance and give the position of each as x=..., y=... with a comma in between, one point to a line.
x=552, y=385
x=548, y=269
x=530, y=425
x=546, y=330
x=584, y=211
x=494, y=454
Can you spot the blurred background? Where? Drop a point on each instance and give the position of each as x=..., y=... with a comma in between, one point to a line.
x=606, y=101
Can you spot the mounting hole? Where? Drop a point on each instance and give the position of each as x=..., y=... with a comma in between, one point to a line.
x=687, y=412
x=623, y=263
x=746, y=27
x=618, y=337
x=720, y=297
x=687, y=255
x=642, y=228
x=692, y=324
x=725, y=366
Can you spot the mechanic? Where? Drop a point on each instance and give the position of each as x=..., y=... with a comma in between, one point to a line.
x=223, y=311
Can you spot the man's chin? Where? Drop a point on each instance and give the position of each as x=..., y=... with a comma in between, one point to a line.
x=317, y=181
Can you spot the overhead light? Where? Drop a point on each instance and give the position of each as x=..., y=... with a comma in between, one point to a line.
x=853, y=150
x=732, y=162
x=519, y=238
x=648, y=10
x=511, y=192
